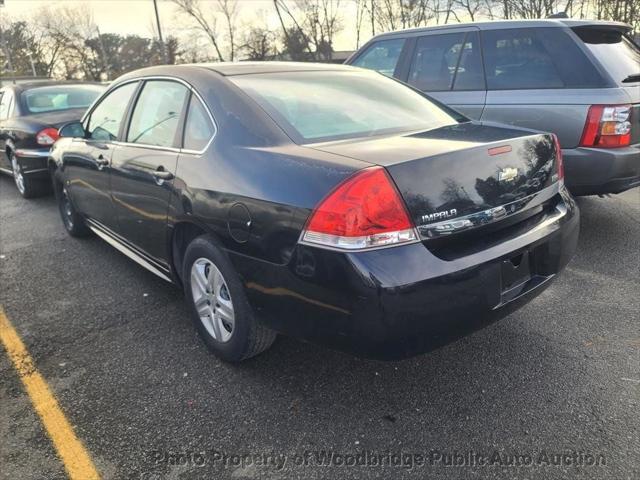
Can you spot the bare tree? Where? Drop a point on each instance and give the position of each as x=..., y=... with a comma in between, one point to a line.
x=397, y=14
x=206, y=22
x=229, y=9
x=259, y=44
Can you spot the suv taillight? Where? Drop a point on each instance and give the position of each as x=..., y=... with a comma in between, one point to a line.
x=607, y=126
x=364, y=211
x=47, y=137
x=559, y=159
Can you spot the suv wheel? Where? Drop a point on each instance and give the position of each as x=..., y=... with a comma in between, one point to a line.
x=219, y=306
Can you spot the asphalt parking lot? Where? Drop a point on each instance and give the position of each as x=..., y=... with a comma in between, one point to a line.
x=115, y=345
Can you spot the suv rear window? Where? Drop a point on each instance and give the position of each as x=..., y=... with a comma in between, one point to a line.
x=536, y=58
x=618, y=55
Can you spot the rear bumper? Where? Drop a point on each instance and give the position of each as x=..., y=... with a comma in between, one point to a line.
x=33, y=161
x=594, y=171
x=398, y=302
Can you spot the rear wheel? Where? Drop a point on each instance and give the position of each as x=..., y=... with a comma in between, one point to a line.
x=71, y=219
x=27, y=187
x=219, y=306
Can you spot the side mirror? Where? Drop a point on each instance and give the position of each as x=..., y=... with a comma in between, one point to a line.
x=72, y=130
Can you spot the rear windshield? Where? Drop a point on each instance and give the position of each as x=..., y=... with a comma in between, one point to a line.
x=321, y=106
x=618, y=55
x=63, y=97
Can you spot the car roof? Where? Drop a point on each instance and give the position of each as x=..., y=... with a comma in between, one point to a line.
x=246, y=68
x=22, y=86
x=499, y=24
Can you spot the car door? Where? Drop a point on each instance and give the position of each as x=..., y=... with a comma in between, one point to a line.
x=447, y=65
x=87, y=160
x=144, y=165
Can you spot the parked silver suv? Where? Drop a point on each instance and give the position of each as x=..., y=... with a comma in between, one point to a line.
x=578, y=79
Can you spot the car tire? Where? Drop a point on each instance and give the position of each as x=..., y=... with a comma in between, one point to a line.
x=73, y=222
x=27, y=187
x=218, y=303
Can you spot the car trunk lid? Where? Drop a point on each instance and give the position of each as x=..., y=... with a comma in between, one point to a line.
x=461, y=171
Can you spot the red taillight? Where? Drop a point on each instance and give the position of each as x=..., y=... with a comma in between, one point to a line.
x=607, y=126
x=559, y=159
x=364, y=211
x=48, y=136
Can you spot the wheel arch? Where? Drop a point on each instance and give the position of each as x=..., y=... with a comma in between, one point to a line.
x=182, y=234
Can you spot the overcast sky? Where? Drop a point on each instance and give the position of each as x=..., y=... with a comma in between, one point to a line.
x=137, y=16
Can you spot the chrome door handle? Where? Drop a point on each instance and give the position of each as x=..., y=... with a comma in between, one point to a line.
x=163, y=174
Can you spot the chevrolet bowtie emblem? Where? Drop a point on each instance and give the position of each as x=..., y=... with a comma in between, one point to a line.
x=508, y=174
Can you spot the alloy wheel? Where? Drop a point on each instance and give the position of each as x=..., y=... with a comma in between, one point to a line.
x=67, y=209
x=212, y=299
x=17, y=174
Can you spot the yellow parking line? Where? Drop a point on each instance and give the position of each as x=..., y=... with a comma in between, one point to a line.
x=70, y=449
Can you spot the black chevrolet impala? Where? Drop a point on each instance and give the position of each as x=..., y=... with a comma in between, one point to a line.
x=30, y=114
x=324, y=202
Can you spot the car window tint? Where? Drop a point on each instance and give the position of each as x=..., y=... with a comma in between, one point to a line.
x=617, y=53
x=382, y=56
x=157, y=112
x=470, y=74
x=107, y=117
x=435, y=60
x=198, y=129
x=535, y=58
x=50, y=99
x=317, y=106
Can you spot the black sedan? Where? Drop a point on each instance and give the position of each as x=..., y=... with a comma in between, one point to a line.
x=30, y=115
x=324, y=202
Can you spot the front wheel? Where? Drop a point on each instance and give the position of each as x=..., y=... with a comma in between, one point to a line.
x=219, y=306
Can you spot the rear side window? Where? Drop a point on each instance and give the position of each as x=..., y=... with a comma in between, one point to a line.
x=449, y=61
x=536, y=58
x=157, y=112
x=382, y=56
x=618, y=55
x=106, y=118
x=198, y=128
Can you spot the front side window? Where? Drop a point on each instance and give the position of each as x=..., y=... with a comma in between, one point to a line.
x=536, y=58
x=322, y=106
x=382, y=56
x=198, y=128
x=156, y=115
x=106, y=118
x=50, y=99
x=450, y=61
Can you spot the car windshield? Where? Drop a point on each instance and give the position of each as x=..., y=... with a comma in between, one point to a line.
x=331, y=105
x=62, y=97
x=618, y=55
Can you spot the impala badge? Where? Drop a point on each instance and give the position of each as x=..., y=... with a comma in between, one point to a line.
x=440, y=215
x=508, y=174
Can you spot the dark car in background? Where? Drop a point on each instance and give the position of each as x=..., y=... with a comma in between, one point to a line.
x=325, y=202
x=579, y=79
x=30, y=115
